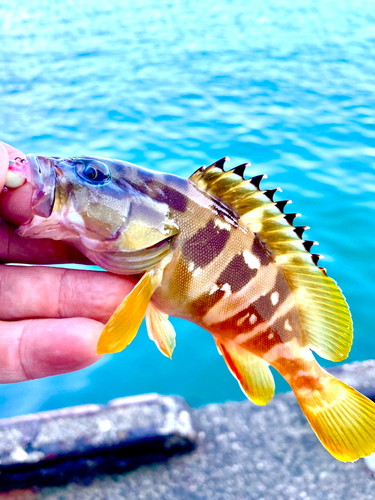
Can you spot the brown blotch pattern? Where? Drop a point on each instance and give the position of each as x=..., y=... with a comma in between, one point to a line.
x=206, y=244
x=310, y=378
x=237, y=274
x=260, y=251
x=180, y=281
x=238, y=323
x=264, y=304
x=176, y=200
x=293, y=319
x=200, y=306
x=263, y=341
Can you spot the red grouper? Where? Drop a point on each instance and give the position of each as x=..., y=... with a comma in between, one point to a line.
x=216, y=250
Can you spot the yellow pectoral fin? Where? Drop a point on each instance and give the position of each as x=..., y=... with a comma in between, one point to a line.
x=126, y=320
x=252, y=373
x=160, y=330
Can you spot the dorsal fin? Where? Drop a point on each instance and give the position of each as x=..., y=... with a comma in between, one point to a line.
x=323, y=310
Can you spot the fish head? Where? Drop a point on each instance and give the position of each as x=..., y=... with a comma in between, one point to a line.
x=101, y=207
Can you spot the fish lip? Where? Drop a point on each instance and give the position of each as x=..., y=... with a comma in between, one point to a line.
x=43, y=181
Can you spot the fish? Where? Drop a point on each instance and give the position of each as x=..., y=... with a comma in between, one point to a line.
x=217, y=250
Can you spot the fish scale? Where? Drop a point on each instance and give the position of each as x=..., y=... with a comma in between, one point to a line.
x=217, y=250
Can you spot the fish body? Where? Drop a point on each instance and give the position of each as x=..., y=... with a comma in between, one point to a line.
x=216, y=250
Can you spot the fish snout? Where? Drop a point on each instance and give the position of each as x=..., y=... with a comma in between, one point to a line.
x=43, y=181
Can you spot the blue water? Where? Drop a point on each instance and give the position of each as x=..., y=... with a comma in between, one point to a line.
x=174, y=85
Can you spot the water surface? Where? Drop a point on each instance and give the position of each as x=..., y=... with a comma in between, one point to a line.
x=174, y=85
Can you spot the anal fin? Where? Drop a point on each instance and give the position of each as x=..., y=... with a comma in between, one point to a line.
x=251, y=372
x=160, y=330
x=126, y=320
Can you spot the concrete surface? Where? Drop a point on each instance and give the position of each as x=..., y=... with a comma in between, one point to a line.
x=243, y=452
x=79, y=443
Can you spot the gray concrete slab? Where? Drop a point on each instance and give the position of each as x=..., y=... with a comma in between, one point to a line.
x=243, y=452
x=77, y=444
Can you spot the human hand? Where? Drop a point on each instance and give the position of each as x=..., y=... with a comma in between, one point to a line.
x=50, y=318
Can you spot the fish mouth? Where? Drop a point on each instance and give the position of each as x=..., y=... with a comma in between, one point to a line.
x=130, y=262
x=43, y=181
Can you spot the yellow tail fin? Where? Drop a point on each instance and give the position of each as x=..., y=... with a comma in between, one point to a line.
x=342, y=418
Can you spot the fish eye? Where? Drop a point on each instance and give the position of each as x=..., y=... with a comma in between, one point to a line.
x=92, y=171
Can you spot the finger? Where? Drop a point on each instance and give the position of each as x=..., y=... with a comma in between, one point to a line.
x=12, y=152
x=4, y=163
x=40, y=348
x=44, y=292
x=15, y=204
x=15, y=208
x=20, y=250
x=7, y=153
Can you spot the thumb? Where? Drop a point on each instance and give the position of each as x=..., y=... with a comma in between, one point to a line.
x=15, y=204
x=4, y=163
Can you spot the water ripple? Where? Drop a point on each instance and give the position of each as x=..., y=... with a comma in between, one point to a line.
x=174, y=85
